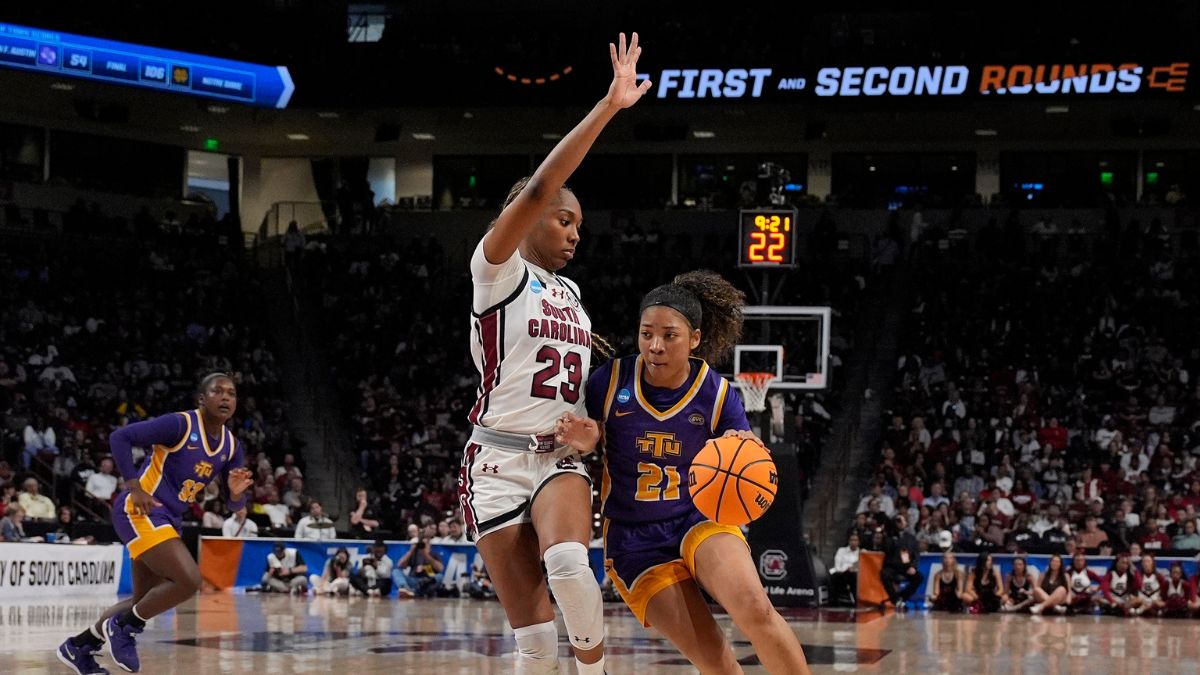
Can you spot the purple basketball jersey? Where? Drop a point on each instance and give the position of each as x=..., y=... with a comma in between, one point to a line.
x=652, y=434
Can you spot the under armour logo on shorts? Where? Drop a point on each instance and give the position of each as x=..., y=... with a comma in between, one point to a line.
x=565, y=464
x=494, y=468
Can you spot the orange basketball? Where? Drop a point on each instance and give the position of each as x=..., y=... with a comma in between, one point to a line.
x=732, y=481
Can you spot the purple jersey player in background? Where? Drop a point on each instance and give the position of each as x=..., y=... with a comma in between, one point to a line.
x=653, y=412
x=187, y=451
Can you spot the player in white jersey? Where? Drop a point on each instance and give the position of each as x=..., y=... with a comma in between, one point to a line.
x=526, y=498
x=1083, y=585
x=1179, y=594
x=1151, y=587
x=1117, y=593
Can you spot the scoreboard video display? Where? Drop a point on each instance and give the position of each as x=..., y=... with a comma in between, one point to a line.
x=112, y=62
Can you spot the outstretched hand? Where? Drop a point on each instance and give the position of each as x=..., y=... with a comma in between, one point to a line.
x=580, y=433
x=625, y=90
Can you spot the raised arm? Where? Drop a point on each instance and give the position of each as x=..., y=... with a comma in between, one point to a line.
x=519, y=217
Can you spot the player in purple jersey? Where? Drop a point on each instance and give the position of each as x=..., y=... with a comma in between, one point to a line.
x=653, y=412
x=188, y=450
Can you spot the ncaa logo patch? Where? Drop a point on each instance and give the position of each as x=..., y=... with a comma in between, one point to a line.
x=535, y=286
x=194, y=437
x=772, y=564
x=697, y=419
x=623, y=396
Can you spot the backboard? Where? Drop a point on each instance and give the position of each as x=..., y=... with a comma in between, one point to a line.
x=788, y=340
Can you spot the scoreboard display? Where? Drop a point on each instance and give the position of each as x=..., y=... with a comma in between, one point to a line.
x=112, y=62
x=767, y=238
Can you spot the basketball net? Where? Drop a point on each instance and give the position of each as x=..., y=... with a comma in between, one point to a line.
x=754, y=389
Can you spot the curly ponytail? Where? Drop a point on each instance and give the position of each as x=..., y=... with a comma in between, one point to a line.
x=706, y=298
x=721, y=322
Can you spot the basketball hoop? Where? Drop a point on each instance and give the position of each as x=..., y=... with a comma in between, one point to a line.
x=754, y=387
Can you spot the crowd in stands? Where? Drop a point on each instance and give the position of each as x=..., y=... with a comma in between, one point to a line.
x=100, y=332
x=1044, y=403
x=91, y=348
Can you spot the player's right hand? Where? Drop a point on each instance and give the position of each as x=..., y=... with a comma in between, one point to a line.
x=580, y=433
x=625, y=90
x=143, y=502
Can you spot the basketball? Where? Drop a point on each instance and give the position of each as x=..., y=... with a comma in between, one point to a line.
x=732, y=480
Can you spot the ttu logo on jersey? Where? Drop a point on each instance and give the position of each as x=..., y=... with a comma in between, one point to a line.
x=659, y=443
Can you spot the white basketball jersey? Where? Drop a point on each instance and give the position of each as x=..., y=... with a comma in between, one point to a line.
x=1079, y=581
x=531, y=342
x=1151, y=587
x=1118, y=584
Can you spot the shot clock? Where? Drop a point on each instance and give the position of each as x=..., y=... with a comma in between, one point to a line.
x=767, y=238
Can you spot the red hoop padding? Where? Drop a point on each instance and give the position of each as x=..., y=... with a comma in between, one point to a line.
x=755, y=386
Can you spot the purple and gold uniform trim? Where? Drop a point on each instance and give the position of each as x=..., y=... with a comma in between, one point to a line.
x=701, y=378
x=718, y=406
x=153, y=474
x=638, y=592
x=180, y=464
x=147, y=534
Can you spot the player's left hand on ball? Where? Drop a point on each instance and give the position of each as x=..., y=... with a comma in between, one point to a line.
x=580, y=433
x=745, y=434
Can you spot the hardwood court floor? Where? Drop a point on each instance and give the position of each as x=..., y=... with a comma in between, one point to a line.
x=235, y=633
